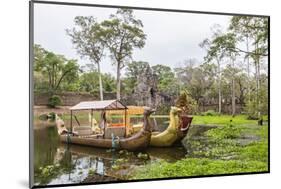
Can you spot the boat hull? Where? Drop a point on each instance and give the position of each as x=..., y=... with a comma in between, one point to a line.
x=170, y=136
x=138, y=141
x=164, y=139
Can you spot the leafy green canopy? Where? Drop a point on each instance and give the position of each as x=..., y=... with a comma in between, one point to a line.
x=51, y=70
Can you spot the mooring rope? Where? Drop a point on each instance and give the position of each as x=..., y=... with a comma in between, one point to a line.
x=115, y=141
x=68, y=139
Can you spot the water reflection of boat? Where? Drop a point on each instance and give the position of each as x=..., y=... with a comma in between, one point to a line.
x=105, y=134
x=88, y=151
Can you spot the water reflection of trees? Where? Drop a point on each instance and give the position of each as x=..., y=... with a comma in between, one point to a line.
x=45, y=146
x=49, y=160
x=53, y=160
x=64, y=165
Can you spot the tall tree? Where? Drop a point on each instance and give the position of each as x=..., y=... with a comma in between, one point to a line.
x=55, y=67
x=255, y=29
x=243, y=34
x=121, y=34
x=215, y=53
x=87, y=41
x=198, y=80
x=224, y=45
x=233, y=96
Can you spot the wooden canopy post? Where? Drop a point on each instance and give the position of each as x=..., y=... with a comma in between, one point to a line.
x=104, y=130
x=71, y=121
x=91, y=117
x=104, y=122
x=125, y=118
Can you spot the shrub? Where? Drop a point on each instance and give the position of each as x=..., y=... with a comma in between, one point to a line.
x=43, y=117
x=252, y=117
x=225, y=132
x=52, y=116
x=210, y=113
x=255, y=111
x=54, y=101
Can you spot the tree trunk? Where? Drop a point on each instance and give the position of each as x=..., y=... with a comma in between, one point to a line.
x=61, y=78
x=248, y=71
x=233, y=91
x=219, y=87
x=248, y=58
x=53, y=73
x=50, y=79
x=233, y=97
x=100, y=82
x=258, y=87
x=257, y=64
x=118, y=80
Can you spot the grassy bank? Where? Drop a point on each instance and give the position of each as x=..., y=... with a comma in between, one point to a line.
x=222, y=120
x=239, y=146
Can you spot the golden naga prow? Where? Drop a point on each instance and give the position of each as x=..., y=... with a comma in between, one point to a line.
x=170, y=135
x=175, y=132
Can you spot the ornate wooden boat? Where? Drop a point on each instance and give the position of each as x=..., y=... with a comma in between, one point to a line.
x=176, y=131
x=109, y=135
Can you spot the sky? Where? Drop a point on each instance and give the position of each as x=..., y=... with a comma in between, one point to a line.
x=172, y=37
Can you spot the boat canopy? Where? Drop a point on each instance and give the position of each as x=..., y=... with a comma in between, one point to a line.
x=99, y=105
x=132, y=110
